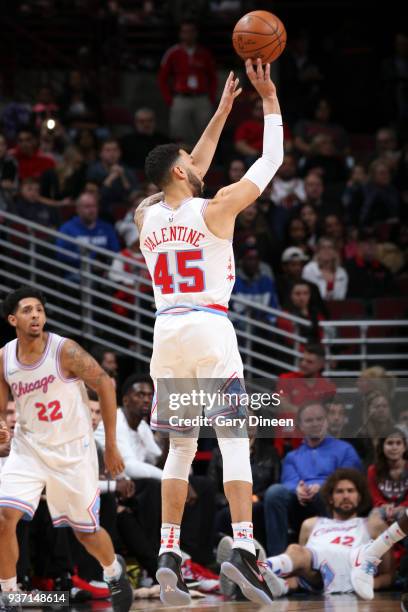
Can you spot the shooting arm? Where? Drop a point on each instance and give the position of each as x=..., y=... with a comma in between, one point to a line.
x=238, y=196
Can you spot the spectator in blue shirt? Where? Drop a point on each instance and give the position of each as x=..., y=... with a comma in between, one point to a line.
x=304, y=470
x=254, y=282
x=88, y=229
x=116, y=180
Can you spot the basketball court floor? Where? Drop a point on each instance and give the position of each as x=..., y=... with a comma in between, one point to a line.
x=383, y=602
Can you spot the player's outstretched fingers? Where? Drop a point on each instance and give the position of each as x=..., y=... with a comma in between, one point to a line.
x=250, y=69
x=267, y=72
x=259, y=69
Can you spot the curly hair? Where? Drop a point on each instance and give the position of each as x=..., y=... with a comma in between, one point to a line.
x=359, y=481
x=10, y=303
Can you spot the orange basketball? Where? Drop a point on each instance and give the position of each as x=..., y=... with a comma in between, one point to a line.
x=259, y=34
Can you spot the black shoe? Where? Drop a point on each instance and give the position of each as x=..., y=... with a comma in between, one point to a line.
x=121, y=590
x=404, y=602
x=173, y=589
x=242, y=569
x=6, y=607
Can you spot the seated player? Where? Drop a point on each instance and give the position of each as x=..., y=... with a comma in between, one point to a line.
x=329, y=548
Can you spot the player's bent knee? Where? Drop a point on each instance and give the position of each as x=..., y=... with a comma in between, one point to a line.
x=235, y=459
x=9, y=518
x=85, y=536
x=295, y=549
x=181, y=454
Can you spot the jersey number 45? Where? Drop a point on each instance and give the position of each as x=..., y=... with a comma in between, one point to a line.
x=187, y=278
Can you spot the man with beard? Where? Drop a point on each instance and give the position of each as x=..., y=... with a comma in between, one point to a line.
x=187, y=243
x=329, y=547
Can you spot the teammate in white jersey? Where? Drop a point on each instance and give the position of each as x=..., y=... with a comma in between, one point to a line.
x=329, y=548
x=187, y=244
x=53, y=445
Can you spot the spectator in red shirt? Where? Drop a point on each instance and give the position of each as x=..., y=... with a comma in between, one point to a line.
x=188, y=83
x=31, y=162
x=388, y=476
x=308, y=384
x=297, y=389
x=249, y=134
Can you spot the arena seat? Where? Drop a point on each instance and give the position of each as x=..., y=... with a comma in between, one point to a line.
x=390, y=308
x=346, y=309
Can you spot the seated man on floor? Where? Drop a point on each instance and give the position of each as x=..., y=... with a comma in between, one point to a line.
x=329, y=548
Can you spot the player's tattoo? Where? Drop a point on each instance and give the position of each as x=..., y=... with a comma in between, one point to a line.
x=83, y=365
x=149, y=201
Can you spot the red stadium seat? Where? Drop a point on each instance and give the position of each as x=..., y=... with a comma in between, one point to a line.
x=390, y=308
x=346, y=309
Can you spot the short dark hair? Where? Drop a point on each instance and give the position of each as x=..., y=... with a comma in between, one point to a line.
x=337, y=400
x=134, y=379
x=315, y=349
x=159, y=162
x=10, y=303
x=315, y=402
x=359, y=481
x=92, y=395
x=110, y=141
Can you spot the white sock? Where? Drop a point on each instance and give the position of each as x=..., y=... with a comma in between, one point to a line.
x=113, y=570
x=8, y=584
x=283, y=585
x=170, y=539
x=281, y=565
x=385, y=541
x=244, y=536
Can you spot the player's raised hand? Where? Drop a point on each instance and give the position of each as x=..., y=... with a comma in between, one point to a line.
x=113, y=461
x=231, y=91
x=261, y=78
x=4, y=433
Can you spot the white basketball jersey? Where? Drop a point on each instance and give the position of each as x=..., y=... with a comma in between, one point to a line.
x=352, y=533
x=51, y=410
x=188, y=264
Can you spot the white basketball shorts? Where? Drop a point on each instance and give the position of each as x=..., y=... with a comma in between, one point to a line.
x=69, y=473
x=196, y=345
x=334, y=562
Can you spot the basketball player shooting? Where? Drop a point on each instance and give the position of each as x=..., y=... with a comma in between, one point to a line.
x=53, y=445
x=187, y=244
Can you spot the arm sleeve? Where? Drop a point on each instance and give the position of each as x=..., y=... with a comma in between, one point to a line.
x=264, y=169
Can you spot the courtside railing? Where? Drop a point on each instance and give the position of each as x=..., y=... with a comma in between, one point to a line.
x=85, y=300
